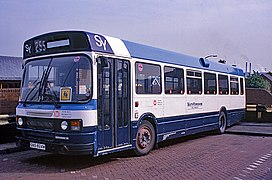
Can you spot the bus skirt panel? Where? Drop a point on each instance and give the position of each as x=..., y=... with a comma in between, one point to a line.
x=178, y=126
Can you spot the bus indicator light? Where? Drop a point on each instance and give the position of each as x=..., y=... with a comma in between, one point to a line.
x=75, y=125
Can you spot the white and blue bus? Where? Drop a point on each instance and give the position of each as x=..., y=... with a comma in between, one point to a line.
x=86, y=93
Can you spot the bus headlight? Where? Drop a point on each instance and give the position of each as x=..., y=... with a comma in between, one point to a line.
x=75, y=125
x=20, y=121
x=64, y=125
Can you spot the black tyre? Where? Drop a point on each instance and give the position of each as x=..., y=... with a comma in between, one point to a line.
x=222, y=123
x=145, y=138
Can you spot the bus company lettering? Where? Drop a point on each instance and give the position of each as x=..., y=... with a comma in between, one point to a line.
x=157, y=102
x=194, y=105
x=28, y=48
x=66, y=114
x=100, y=42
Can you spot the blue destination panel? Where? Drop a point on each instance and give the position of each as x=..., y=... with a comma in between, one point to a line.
x=99, y=43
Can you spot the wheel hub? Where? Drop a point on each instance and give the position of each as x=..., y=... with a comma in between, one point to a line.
x=144, y=137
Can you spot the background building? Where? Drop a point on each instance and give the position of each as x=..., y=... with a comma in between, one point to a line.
x=268, y=77
x=10, y=72
x=10, y=79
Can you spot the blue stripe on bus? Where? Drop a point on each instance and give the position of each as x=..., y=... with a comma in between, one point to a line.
x=235, y=116
x=91, y=105
x=186, y=123
x=177, y=126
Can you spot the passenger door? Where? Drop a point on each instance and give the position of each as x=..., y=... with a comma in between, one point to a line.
x=113, y=103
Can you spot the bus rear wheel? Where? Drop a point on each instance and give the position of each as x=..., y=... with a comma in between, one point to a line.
x=222, y=123
x=145, y=139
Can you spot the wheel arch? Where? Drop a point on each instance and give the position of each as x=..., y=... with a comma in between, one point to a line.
x=153, y=120
x=224, y=109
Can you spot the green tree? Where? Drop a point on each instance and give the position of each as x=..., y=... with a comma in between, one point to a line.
x=255, y=80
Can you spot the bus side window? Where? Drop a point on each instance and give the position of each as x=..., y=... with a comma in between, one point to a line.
x=148, y=78
x=223, y=83
x=210, y=83
x=174, y=80
x=194, y=82
x=234, y=85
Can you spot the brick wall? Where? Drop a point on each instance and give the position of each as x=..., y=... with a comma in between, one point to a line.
x=8, y=100
x=258, y=96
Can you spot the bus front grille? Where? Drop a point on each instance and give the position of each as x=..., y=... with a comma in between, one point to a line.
x=40, y=113
x=40, y=124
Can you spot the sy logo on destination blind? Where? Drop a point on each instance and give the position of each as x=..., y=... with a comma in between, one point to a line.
x=28, y=48
x=100, y=42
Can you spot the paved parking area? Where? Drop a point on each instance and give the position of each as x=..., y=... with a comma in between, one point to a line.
x=225, y=156
x=251, y=128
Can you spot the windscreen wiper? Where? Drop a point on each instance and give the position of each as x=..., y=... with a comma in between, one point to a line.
x=28, y=94
x=39, y=82
x=44, y=81
x=45, y=77
x=43, y=85
x=54, y=97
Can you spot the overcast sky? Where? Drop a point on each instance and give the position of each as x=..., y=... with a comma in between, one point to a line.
x=235, y=30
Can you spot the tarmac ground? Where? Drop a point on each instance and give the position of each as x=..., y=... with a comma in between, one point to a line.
x=243, y=128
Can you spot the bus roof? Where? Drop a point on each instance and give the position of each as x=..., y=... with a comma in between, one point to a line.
x=66, y=41
x=156, y=54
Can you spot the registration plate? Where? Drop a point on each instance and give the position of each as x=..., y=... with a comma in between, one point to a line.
x=37, y=146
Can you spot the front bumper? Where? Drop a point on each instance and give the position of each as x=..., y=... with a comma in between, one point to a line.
x=59, y=148
x=70, y=143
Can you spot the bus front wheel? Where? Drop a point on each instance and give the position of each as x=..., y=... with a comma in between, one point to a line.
x=222, y=123
x=145, y=139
